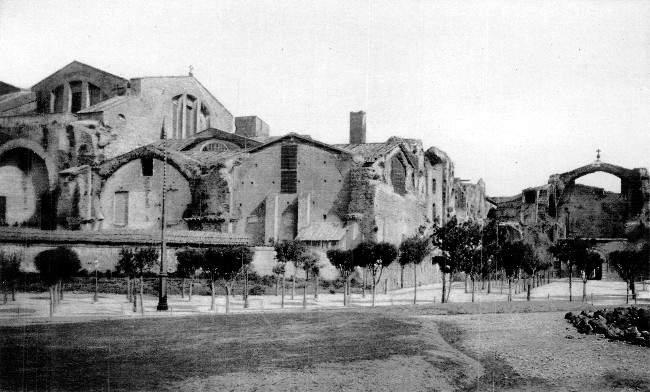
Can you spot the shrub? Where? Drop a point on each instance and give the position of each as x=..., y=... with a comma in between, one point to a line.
x=256, y=290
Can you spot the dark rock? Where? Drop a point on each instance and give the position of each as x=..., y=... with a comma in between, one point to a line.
x=569, y=316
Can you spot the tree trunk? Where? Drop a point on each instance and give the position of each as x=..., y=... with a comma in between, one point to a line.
x=345, y=292
x=510, y=289
x=570, y=292
x=444, y=288
x=293, y=286
x=134, y=297
x=141, y=294
x=627, y=292
x=465, y=283
x=502, y=284
x=6, y=290
x=212, y=294
x=584, y=289
x=13, y=291
x=316, y=286
x=128, y=289
x=190, y=289
x=401, y=277
x=529, y=284
x=183, y=288
x=51, y=301
x=489, y=285
x=415, y=284
x=473, y=284
x=451, y=281
x=277, y=284
x=228, y=299
x=60, y=290
x=283, y=280
x=363, y=282
x=304, y=291
x=374, y=291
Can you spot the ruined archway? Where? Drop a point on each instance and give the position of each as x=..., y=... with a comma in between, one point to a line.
x=592, y=212
x=26, y=195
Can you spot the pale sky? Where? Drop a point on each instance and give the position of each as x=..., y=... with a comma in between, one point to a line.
x=513, y=91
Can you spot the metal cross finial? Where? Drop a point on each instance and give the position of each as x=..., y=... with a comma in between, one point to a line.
x=598, y=156
x=191, y=68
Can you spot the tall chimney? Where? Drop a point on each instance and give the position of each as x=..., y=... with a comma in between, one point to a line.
x=357, y=127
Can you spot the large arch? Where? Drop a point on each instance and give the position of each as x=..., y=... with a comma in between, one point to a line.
x=26, y=196
x=39, y=151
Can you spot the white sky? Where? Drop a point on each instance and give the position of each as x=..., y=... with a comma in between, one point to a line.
x=513, y=91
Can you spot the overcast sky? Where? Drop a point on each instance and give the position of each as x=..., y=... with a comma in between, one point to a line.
x=513, y=91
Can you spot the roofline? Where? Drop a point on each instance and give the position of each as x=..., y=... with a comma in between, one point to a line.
x=85, y=65
x=303, y=138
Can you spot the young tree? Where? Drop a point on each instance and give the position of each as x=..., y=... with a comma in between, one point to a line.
x=307, y=261
x=225, y=263
x=279, y=270
x=56, y=266
x=412, y=251
x=570, y=251
x=511, y=255
x=9, y=273
x=453, y=239
x=290, y=252
x=530, y=264
x=144, y=260
x=343, y=261
x=126, y=266
x=189, y=265
x=586, y=266
x=630, y=264
x=315, y=272
x=374, y=257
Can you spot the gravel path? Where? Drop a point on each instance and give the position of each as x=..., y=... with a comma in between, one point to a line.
x=548, y=354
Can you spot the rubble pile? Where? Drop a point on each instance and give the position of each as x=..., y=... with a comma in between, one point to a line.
x=626, y=324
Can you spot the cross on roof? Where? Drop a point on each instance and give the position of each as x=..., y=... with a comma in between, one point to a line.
x=598, y=156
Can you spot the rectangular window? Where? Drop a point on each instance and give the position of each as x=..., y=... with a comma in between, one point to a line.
x=288, y=166
x=147, y=166
x=75, y=97
x=121, y=208
x=57, y=100
x=95, y=94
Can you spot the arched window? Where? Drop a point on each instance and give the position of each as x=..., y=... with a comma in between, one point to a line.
x=215, y=146
x=398, y=176
x=189, y=116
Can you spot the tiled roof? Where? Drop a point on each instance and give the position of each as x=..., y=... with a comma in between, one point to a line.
x=120, y=237
x=179, y=144
x=369, y=151
x=321, y=231
x=107, y=104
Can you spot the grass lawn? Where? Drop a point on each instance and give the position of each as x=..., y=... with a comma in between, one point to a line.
x=151, y=353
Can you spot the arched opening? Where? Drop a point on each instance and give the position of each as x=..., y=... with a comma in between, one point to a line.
x=606, y=181
x=25, y=198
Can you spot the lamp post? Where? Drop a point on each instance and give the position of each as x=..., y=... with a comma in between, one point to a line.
x=162, y=294
x=96, y=264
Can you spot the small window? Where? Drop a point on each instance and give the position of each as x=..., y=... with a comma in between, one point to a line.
x=434, y=187
x=95, y=94
x=121, y=208
x=530, y=196
x=147, y=166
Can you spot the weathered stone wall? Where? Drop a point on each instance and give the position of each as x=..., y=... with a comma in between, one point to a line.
x=139, y=121
x=144, y=196
x=593, y=212
x=320, y=172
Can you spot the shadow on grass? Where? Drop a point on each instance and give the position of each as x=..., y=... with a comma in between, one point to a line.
x=619, y=381
x=150, y=353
